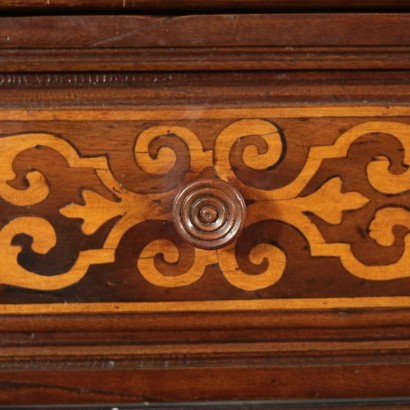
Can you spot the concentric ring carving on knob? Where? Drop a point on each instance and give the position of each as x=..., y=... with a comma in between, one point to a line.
x=209, y=213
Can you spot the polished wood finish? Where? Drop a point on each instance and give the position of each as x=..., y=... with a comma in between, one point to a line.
x=219, y=30
x=223, y=88
x=104, y=119
x=380, y=404
x=96, y=67
x=209, y=213
x=200, y=6
x=110, y=51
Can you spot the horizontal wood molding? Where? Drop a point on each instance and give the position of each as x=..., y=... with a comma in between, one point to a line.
x=322, y=404
x=220, y=42
x=219, y=30
x=199, y=5
x=211, y=383
x=148, y=89
x=378, y=404
x=88, y=61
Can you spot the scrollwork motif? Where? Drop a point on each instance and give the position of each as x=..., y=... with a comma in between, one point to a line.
x=163, y=159
x=44, y=238
x=38, y=188
x=146, y=264
x=329, y=203
x=264, y=148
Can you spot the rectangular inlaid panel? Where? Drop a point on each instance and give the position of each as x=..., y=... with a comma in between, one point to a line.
x=86, y=209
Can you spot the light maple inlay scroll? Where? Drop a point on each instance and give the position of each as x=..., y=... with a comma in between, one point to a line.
x=155, y=155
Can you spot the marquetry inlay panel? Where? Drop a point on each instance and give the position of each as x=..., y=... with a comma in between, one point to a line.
x=86, y=208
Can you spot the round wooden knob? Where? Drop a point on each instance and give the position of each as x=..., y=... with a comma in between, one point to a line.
x=209, y=213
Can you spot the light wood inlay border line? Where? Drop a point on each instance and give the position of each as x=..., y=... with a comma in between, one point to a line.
x=201, y=113
x=208, y=306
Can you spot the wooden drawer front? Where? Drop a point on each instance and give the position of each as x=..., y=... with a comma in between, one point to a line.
x=86, y=200
x=106, y=118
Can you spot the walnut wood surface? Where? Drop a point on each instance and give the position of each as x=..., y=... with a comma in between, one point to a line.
x=82, y=45
x=107, y=108
x=219, y=30
x=199, y=89
x=378, y=404
x=198, y=5
x=100, y=66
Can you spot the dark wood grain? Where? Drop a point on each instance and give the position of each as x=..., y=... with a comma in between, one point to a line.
x=108, y=61
x=226, y=42
x=345, y=404
x=207, y=384
x=199, y=88
x=198, y=5
x=224, y=30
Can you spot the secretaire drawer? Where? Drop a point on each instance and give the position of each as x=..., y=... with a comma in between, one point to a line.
x=227, y=219
x=205, y=207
